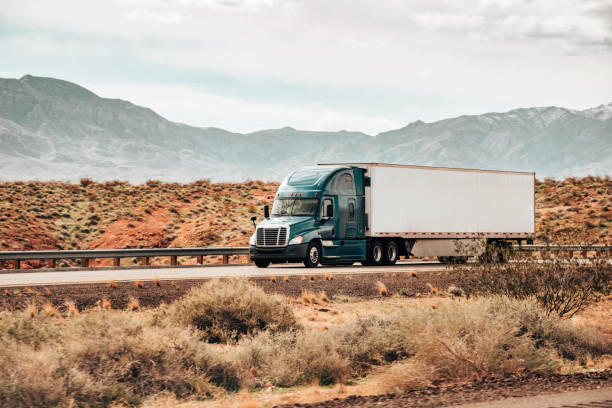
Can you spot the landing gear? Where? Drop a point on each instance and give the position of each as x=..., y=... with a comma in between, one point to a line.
x=313, y=255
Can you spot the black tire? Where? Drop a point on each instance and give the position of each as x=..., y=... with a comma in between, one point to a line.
x=391, y=254
x=377, y=254
x=313, y=255
x=366, y=262
x=262, y=263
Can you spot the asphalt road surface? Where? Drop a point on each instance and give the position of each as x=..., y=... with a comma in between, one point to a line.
x=93, y=275
x=599, y=398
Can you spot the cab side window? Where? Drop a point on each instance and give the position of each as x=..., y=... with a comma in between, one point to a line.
x=351, y=210
x=326, y=203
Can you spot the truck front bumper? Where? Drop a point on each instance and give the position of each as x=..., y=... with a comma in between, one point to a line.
x=290, y=253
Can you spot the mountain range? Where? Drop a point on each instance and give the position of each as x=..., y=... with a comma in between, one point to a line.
x=52, y=129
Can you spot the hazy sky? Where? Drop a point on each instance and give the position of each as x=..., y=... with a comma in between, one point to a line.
x=246, y=65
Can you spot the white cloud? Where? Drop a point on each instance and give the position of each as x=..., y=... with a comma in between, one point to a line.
x=453, y=56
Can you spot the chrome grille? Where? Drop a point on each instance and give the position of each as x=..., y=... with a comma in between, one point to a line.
x=271, y=237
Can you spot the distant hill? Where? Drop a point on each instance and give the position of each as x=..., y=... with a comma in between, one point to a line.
x=56, y=130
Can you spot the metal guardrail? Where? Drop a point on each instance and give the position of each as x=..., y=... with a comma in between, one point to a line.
x=117, y=254
x=146, y=253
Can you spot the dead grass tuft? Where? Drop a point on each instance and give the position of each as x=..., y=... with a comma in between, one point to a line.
x=71, y=308
x=49, y=310
x=112, y=284
x=139, y=284
x=382, y=289
x=157, y=281
x=323, y=296
x=31, y=310
x=308, y=297
x=286, y=279
x=273, y=279
x=133, y=304
x=106, y=304
x=413, y=274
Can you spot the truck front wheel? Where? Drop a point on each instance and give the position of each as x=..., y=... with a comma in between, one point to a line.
x=262, y=263
x=391, y=253
x=313, y=255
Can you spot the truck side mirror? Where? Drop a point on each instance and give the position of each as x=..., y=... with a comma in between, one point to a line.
x=253, y=219
x=266, y=211
x=329, y=211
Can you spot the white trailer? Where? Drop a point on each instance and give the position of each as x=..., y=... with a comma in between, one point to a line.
x=434, y=208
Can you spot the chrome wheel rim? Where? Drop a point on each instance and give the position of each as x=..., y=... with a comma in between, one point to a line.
x=377, y=254
x=314, y=255
x=392, y=253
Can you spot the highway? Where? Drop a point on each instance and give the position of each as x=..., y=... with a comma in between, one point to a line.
x=96, y=275
x=597, y=398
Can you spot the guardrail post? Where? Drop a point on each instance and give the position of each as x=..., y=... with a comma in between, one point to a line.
x=51, y=263
x=200, y=260
x=85, y=262
x=585, y=254
x=173, y=260
x=117, y=262
x=225, y=259
x=17, y=264
x=145, y=261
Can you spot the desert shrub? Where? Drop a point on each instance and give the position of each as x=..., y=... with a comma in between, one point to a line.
x=225, y=310
x=475, y=339
x=86, y=181
x=372, y=341
x=562, y=286
x=291, y=358
x=22, y=328
x=565, y=336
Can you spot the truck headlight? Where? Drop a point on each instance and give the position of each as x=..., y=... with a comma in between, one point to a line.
x=252, y=240
x=296, y=240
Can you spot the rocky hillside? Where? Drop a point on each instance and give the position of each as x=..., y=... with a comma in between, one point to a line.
x=51, y=215
x=56, y=130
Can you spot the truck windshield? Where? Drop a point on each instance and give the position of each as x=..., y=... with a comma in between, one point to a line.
x=295, y=207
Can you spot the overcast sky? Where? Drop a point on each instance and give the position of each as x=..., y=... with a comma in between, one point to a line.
x=246, y=65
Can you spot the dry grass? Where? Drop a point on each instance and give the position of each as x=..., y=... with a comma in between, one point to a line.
x=31, y=310
x=225, y=310
x=139, y=284
x=49, y=310
x=286, y=279
x=133, y=304
x=71, y=308
x=153, y=358
x=413, y=274
x=112, y=284
x=323, y=297
x=157, y=281
x=308, y=297
x=273, y=279
x=382, y=289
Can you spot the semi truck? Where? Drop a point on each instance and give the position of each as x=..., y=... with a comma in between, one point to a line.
x=374, y=213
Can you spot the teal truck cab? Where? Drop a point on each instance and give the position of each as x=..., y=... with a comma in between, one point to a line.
x=317, y=217
x=374, y=213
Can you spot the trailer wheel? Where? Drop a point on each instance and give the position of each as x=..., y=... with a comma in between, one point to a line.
x=262, y=263
x=391, y=253
x=313, y=255
x=377, y=254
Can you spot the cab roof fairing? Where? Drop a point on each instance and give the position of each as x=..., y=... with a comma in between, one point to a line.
x=308, y=181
